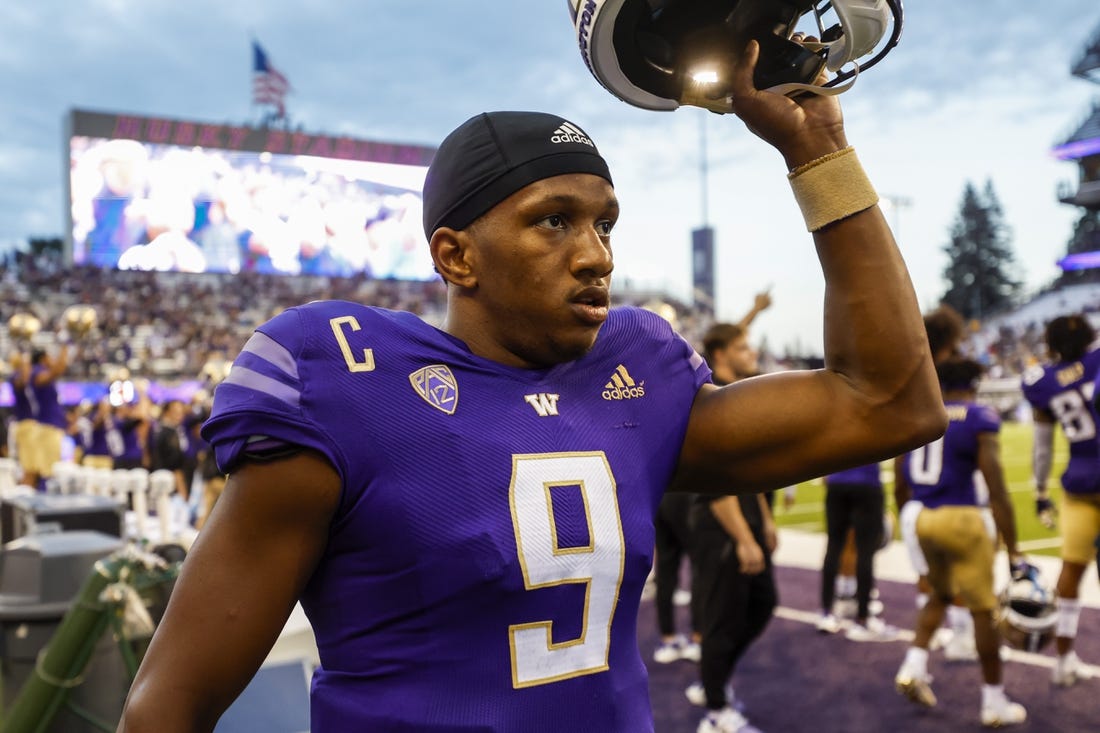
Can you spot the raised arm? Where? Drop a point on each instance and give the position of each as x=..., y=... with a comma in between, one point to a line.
x=236, y=590
x=878, y=395
x=760, y=303
x=20, y=370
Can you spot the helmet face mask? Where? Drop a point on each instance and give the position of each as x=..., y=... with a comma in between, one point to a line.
x=659, y=54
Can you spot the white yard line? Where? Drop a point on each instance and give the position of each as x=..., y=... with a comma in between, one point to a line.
x=1047, y=544
x=905, y=635
x=804, y=549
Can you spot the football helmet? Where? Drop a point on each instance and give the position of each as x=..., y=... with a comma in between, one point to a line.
x=23, y=325
x=79, y=319
x=659, y=54
x=1027, y=613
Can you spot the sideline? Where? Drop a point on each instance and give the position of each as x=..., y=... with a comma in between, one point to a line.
x=800, y=549
x=1008, y=654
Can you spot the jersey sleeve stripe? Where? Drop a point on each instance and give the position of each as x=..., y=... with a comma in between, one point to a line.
x=695, y=359
x=272, y=352
x=249, y=379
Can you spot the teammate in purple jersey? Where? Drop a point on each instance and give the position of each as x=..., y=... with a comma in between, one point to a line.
x=466, y=513
x=24, y=418
x=46, y=370
x=936, y=484
x=1063, y=392
x=104, y=439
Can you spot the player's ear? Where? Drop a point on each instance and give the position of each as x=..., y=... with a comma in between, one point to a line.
x=452, y=254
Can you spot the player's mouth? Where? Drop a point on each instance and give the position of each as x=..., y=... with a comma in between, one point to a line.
x=591, y=305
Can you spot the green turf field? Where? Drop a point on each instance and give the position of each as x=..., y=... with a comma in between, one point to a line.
x=808, y=510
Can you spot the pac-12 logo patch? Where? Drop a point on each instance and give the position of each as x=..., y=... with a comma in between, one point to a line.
x=437, y=385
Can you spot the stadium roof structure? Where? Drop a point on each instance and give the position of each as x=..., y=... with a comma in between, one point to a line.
x=1085, y=141
x=1088, y=65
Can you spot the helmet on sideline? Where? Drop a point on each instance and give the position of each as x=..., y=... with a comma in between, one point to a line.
x=1027, y=613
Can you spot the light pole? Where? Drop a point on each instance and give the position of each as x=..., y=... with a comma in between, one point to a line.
x=702, y=239
x=893, y=206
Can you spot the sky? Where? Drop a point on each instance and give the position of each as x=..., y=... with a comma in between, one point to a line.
x=974, y=92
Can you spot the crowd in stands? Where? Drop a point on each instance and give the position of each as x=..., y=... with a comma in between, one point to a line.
x=184, y=329
x=175, y=326
x=1008, y=343
x=171, y=325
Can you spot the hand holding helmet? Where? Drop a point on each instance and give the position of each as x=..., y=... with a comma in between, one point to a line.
x=76, y=324
x=1045, y=511
x=801, y=130
x=659, y=54
x=23, y=326
x=1021, y=569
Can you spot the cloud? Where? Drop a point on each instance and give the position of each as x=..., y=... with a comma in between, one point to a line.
x=973, y=91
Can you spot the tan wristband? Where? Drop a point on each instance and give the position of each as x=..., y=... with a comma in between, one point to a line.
x=831, y=188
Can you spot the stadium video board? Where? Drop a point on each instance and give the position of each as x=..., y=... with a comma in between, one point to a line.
x=161, y=194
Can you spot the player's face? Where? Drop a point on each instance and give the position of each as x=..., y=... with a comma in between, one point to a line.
x=542, y=260
x=741, y=357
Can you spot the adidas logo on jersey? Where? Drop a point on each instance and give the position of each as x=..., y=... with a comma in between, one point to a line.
x=570, y=133
x=622, y=386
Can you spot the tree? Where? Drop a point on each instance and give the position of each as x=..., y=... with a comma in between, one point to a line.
x=49, y=246
x=980, y=270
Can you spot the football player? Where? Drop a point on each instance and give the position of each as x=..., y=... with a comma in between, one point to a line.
x=674, y=542
x=104, y=440
x=734, y=537
x=24, y=422
x=854, y=505
x=955, y=539
x=945, y=329
x=466, y=512
x=1063, y=393
x=46, y=370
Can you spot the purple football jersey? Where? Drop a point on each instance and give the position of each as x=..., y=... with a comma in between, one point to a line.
x=860, y=476
x=942, y=472
x=105, y=440
x=22, y=409
x=129, y=441
x=1066, y=390
x=495, y=529
x=44, y=399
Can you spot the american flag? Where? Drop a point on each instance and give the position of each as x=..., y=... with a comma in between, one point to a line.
x=269, y=86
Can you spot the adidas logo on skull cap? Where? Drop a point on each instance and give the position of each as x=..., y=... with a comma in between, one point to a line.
x=494, y=154
x=570, y=133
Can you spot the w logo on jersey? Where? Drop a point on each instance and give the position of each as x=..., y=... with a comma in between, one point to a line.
x=545, y=404
x=437, y=385
x=622, y=386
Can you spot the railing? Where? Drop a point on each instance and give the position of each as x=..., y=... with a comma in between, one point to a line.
x=1086, y=193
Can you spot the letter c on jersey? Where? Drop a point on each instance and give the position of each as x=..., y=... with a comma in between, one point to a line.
x=367, y=365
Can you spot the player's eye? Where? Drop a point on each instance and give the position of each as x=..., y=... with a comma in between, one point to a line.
x=554, y=221
x=605, y=227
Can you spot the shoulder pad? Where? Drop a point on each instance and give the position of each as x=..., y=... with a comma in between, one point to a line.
x=1033, y=374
